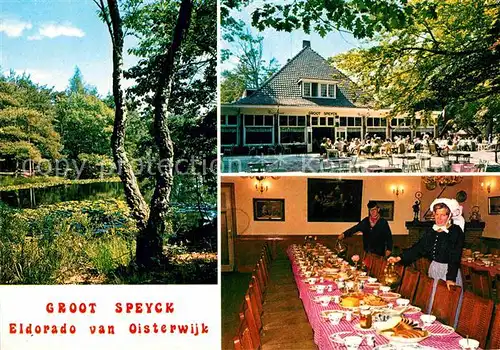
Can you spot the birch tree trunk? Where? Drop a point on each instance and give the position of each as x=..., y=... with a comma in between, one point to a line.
x=150, y=221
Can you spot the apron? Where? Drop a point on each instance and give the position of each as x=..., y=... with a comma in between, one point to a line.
x=438, y=272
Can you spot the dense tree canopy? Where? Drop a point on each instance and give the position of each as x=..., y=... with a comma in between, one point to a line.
x=85, y=124
x=420, y=55
x=26, y=116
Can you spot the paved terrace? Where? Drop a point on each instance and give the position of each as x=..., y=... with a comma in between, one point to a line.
x=313, y=163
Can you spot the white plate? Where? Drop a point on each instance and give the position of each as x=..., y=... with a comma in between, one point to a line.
x=391, y=338
x=320, y=298
x=335, y=337
x=447, y=329
x=401, y=347
x=410, y=310
x=325, y=313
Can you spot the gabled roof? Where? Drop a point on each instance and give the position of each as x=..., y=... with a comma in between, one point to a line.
x=283, y=88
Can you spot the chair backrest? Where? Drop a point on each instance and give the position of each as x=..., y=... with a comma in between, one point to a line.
x=256, y=306
x=422, y=265
x=243, y=340
x=409, y=283
x=423, y=293
x=475, y=317
x=445, y=303
x=494, y=342
x=247, y=313
x=481, y=283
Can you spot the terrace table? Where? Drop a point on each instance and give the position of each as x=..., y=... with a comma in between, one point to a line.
x=442, y=337
x=259, y=166
x=458, y=155
x=387, y=169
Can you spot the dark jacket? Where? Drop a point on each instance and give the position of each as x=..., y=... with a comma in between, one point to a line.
x=376, y=239
x=442, y=247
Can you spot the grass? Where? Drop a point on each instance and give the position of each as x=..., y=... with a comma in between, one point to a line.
x=234, y=286
x=21, y=183
x=87, y=242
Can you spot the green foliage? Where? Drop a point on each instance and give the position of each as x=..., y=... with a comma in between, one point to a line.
x=194, y=85
x=251, y=71
x=96, y=166
x=26, y=116
x=443, y=57
x=22, y=183
x=85, y=124
x=77, y=85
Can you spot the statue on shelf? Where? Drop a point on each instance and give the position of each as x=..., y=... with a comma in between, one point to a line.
x=416, y=210
x=475, y=215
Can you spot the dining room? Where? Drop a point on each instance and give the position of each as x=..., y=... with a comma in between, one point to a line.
x=295, y=285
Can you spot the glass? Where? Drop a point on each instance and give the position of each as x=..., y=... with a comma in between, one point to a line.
x=365, y=319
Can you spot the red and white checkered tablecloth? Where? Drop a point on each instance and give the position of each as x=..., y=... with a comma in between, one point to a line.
x=442, y=337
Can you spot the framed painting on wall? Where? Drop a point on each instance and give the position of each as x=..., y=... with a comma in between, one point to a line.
x=268, y=209
x=334, y=200
x=386, y=209
x=494, y=205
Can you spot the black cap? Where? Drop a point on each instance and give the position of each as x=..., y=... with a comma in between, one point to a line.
x=372, y=204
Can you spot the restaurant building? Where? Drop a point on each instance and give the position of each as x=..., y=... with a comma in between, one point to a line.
x=305, y=101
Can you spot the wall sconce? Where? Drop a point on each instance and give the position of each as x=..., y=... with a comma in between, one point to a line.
x=486, y=186
x=259, y=185
x=397, y=190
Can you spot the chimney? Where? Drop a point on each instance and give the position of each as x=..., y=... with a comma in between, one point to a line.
x=306, y=43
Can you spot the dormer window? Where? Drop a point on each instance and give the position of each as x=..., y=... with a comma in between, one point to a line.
x=318, y=88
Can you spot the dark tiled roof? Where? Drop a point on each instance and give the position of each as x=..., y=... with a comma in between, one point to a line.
x=283, y=88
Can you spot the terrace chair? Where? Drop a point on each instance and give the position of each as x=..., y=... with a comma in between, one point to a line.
x=446, y=302
x=414, y=167
x=423, y=292
x=409, y=284
x=494, y=336
x=475, y=317
x=481, y=283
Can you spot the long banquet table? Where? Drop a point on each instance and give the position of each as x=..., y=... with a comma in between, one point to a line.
x=441, y=336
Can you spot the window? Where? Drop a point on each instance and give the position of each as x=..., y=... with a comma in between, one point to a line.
x=376, y=121
x=332, y=91
x=357, y=121
x=369, y=122
x=248, y=119
x=344, y=121
x=394, y=122
x=222, y=120
x=324, y=90
x=292, y=135
x=229, y=136
x=383, y=122
x=283, y=120
x=331, y=121
x=292, y=120
x=301, y=121
x=268, y=120
x=258, y=135
x=259, y=120
x=314, y=90
x=307, y=89
x=314, y=120
x=232, y=120
x=322, y=121
x=319, y=90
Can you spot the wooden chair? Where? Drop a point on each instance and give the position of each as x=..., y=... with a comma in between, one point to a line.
x=368, y=260
x=422, y=265
x=243, y=339
x=466, y=277
x=475, y=316
x=255, y=294
x=481, y=283
x=494, y=342
x=445, y=303
x=247, y=313
x=423, y=293
x=409, y=283
x=378, y=266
